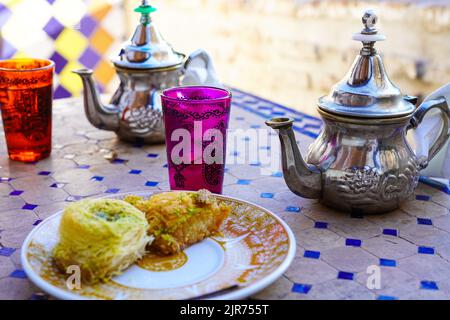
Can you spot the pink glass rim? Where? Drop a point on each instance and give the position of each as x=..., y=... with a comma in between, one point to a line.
x=168, y=94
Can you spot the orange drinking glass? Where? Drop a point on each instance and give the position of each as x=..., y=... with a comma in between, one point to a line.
x=26, y=95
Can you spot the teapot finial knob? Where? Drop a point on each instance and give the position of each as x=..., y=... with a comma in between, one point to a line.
x=369, y=35
x=145, y=9
x=369, y=19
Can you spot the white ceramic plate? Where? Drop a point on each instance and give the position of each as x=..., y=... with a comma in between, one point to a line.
x=254, y=249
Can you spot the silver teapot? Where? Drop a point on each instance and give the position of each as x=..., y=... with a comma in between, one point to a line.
x=146, y=66
x=361, y=162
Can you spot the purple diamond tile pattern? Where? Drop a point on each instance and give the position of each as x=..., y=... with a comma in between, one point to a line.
x=90, y=58
x=54, y=28
x=61, y=92
x=5, y=14
x=68, y=41
x=88, y=25
x=60, y=62
x=333, y=249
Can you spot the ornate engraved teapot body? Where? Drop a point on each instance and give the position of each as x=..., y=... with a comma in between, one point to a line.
x=361, y=161
x=146, y=66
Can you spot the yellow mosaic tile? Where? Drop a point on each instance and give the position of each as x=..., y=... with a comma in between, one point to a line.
x=71, y=44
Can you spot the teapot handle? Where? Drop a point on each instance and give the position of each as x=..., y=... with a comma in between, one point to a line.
x=200, y=74
x=441, y=104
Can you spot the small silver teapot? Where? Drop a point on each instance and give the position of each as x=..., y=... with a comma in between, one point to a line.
x=146, y=66
x=361, y=161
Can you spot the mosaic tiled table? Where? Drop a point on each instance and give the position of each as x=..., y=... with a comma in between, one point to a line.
x=334, y=250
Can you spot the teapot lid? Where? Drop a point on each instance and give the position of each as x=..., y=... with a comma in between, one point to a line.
x=147, y=49
x=366, y=91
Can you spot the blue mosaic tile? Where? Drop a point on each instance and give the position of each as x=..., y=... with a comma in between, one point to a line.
x=311, y=254
x=20, y=274
x=57, y=185
x=256, y=164
x=135, y=172
x=255, y=126
x=152, y=155
x=388, y=263
x=386, y=298
x=267, y=195
x=423, y=197
x=320, y=225
x=390, y=232
x=165, y=166
x=83, y=166
x=239, y=118
x=278, y=113
x=345, y=275
x=293, y=209
x=112, y=190
x=243, y=182
x=353, y=242
x=5, y=179
x=424, y=221
x=119, y=161
x=16, y=193
x=6, y=252
x=97, y=178
x=428, y=285
x=265, y=148
x=301, y=288
x=44, y=173
x=29, y=206
x=277, y=174
x=151, y=183
x=425, y=250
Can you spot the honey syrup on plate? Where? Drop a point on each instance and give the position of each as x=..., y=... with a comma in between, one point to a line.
x=154, y=262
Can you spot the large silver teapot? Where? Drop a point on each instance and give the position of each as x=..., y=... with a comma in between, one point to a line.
x=361, y=161
x=146, y=66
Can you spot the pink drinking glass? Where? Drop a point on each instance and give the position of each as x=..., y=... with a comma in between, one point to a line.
x=196, y=121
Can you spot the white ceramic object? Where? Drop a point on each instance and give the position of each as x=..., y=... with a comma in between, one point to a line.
x=422, y=138
x=201, y=71
x=254, y=249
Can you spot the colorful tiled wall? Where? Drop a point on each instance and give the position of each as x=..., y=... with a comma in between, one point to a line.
x=73, y=33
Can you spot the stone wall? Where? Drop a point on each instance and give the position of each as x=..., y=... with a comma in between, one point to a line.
x=294, y=51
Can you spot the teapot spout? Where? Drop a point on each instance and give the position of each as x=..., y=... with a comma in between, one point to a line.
x=101, y=116
x=302, y=179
